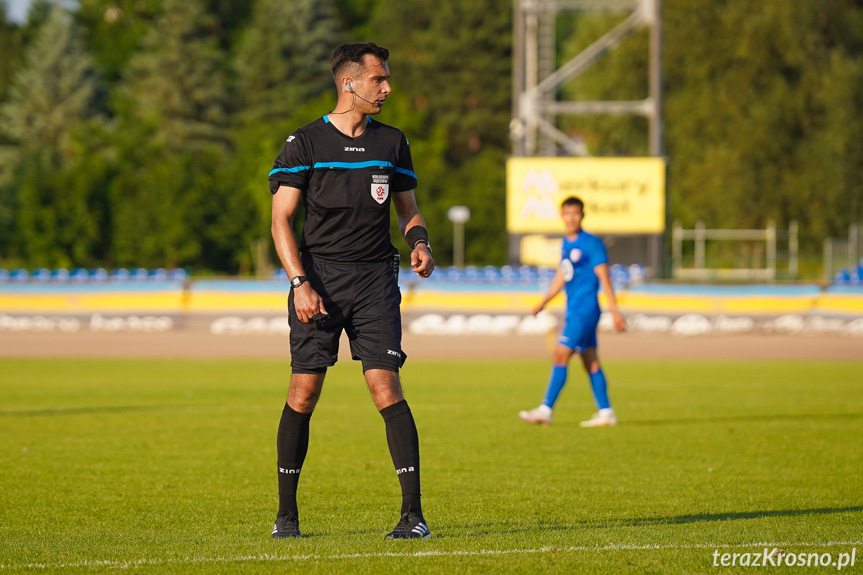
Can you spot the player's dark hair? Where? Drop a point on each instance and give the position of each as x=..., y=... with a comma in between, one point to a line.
x=348, y=54
x=573, y=201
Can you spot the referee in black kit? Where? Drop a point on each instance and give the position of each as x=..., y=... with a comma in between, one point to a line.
x=346, y=169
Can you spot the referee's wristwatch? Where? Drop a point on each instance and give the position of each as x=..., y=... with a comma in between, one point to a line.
x=428, y=245
x=298, y=281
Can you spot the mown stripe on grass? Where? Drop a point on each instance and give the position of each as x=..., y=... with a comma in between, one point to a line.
x=421, y=554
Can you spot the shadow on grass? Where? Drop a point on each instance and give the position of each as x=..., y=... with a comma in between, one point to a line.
x=743, y=418
x=88, y=410
x=731, y=516
x=486, y=529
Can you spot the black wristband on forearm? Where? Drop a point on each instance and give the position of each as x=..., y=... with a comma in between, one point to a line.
x=416, y=234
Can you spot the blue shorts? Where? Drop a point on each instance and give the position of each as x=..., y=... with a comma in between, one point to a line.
x=579, y=331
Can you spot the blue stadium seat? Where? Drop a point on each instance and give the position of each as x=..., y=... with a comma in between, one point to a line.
x=4, y=275
x=619, y=276
x=158, y=275
x=637, y=274
x=507, y=274
x=454, y=273
x=20, y=275
x=546, y=273
x=280, y=274
x=527, y=274
x=98, y=275
x=42, y=275
x=843, y=276
x=120, y=275
x=60, y=275
x=491, y=273
x=80, y=276
x=179, y=274
x=139, y=275
x=472, y=274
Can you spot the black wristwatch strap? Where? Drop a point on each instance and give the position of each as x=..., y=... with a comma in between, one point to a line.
x=298, y=281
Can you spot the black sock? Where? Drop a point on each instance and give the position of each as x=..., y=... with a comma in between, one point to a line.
x=404, y=447
x=292, y=443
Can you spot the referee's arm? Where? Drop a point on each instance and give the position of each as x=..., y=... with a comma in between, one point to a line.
x=409, y=216
x=286, y=201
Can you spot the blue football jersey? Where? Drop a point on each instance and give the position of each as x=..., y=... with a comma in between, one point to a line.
x=578, y=259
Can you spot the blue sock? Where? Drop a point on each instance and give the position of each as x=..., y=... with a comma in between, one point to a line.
x=600, y=389
x=555, y=384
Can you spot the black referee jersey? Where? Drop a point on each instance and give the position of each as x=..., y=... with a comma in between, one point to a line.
x=347, y=186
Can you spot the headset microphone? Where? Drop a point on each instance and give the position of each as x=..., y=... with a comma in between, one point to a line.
x=350, y=88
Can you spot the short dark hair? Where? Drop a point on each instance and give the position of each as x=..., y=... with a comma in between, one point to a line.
x=573, y=201
x=348, y=54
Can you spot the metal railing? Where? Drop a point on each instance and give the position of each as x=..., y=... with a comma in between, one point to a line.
x=763, y=261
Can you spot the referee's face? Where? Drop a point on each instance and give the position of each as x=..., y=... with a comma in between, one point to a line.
x=374, y=85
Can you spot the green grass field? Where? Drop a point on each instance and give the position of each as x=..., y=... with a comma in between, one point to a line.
x=168, y=466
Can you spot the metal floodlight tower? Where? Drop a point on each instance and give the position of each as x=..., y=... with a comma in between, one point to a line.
x=536, y=82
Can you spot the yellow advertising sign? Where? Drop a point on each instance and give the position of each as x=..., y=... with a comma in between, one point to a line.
x=621, y=195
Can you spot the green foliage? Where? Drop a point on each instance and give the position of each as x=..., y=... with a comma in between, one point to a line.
x=282, y=58
x=11, y=45
x=49, y=117
x=176, y=80
x=171, y=134
x=762, y=110
x=114, y=29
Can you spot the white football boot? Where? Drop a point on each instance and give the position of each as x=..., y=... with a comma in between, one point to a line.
x=602, y=418
x=541, y=415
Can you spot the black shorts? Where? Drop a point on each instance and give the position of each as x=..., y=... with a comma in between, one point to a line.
x=361, y=298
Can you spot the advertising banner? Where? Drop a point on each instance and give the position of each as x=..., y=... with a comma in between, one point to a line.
x=621, y=195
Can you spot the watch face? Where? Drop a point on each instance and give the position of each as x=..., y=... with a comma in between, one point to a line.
x=295, y=282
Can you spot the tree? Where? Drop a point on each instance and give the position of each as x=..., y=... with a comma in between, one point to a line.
x=114, y=30
x=171, y=139
x=282, y=58
x=761, y=112
x=50, y=105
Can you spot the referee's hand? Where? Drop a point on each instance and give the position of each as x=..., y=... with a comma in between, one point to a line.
x=422, y=263
x=308, y=303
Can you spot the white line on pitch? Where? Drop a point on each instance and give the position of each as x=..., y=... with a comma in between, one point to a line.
x=481, y=552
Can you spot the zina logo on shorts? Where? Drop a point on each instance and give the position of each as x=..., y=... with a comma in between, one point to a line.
x=395, y=353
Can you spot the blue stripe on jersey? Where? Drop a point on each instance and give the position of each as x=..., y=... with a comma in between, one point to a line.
x=347, y=165
x=290, y=170
x=407, y=173
x=354, y=165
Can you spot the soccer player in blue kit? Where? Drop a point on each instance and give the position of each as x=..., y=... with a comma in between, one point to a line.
x=583, y=267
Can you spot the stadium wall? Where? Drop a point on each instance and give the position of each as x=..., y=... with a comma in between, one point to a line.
x=232, y=307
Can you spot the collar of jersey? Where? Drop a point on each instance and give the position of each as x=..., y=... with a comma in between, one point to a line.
x=327, y=119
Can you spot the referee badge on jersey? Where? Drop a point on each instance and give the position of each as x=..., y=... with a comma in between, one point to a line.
x=380, y=188
x=380, y=192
